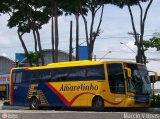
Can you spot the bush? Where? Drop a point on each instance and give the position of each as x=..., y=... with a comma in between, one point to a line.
x=155, y=101
x=6, y=103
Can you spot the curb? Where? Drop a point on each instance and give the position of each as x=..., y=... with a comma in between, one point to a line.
x=13, y=108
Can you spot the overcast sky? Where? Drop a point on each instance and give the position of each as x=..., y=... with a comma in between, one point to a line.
x=115, y=26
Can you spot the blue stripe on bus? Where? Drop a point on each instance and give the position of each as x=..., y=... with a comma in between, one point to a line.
x=21, y=93
x=52, y=98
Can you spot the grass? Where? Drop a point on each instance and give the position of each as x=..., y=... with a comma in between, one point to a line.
x=155, y=101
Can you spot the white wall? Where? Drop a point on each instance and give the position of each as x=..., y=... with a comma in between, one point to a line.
x=155, y=66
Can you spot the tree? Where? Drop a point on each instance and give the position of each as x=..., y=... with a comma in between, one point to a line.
x=74, y=7
x=7, y=7
x=140, y=58
x=33, y=57
x=4, y=7
x=52, y=7
x=93, y=6
x=36, y=18
x=28, y=16
x=153, y=43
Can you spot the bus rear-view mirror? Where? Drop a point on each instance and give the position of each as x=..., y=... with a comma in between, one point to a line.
x=153, y=76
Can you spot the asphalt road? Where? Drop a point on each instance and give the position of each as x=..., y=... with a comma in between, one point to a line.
x=61, y=115
x=13, y=112
x=51, y=114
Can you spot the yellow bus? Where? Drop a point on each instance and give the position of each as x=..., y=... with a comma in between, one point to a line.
x=82, y=84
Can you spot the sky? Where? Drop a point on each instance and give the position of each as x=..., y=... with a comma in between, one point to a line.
x=115, y=26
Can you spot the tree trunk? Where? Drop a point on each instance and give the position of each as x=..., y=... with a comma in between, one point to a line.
x=86, y=28
x=87, y=38
x=56, y=32
x=40, y=47
x=70, y=45
x=24, y=47
x=52, y=33
x=139, y=55
x=77, y=36
x=144, y=56
x=86, y=31
x=140, y=58
x=97, y=31
x=35, y=40
x=90, y=52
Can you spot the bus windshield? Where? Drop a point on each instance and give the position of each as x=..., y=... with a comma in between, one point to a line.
x=139, y=82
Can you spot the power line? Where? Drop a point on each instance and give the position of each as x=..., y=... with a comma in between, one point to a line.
x=122, y=51
x=64, y=41
x=150, y=59
x=113, y=37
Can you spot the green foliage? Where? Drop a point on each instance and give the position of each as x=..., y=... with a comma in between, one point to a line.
x=74, y=7
x=6, y=103
x=155, y=101
x=49, y=7
x=26, y=15
x=122, y=3
x=33, y=56
x=40, y=10
x=5, y=6
x=153, y=43
x=95, y=34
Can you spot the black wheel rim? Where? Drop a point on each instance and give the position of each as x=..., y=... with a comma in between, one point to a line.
x=34, y=103
x=99, y=103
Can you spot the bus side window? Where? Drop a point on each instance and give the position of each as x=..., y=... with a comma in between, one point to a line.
x=95, y=72
x=26, y=76
x=116, y=78
x=60, y=74
x=77, y=73
x=14, y=77
x=45, y=75
x=17, y=78
x=35, y=76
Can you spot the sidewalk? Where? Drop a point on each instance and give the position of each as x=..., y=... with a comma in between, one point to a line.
x=7, y=107
x=1, y=104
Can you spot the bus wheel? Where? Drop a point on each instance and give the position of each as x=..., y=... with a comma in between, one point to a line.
x=34, y=103
x=98, y=104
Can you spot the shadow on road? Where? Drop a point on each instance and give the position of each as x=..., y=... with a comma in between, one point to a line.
x=105, y=110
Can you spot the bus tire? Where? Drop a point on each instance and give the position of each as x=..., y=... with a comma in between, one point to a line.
x=34, y=103
x=98, y=104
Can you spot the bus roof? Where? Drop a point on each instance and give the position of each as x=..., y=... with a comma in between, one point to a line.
x=83, y=62
x=73, y=63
